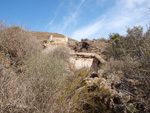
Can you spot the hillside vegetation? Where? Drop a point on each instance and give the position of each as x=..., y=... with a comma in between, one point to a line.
x=131, y=55
x=33, y=82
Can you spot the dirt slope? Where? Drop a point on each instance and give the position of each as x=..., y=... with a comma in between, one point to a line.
x=44, y=35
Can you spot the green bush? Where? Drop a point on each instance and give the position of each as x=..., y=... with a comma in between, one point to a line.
x=82, y=98
x=133, y=50
x=50, y=74
x=114, y=36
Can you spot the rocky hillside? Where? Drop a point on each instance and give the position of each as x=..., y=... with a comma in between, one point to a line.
x=34, y=81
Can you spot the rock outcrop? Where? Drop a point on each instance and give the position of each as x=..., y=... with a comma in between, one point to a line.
x=90, y=46
x=110, y=99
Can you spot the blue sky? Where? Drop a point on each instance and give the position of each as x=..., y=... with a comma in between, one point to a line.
x=77, y=18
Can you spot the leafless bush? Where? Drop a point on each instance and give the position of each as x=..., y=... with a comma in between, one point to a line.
x=60, y=52
x=119, y=65
x=18, y=43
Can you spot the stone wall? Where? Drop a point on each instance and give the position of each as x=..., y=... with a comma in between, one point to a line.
x=58, y=40
x=79, y=63
x=88, y=60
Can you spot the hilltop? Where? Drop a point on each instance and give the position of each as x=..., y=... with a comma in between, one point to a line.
x=44, y=35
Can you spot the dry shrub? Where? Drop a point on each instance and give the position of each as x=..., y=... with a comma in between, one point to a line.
x=133, y=51
x=114, y=65
x=18, y=43
x=50, y=74
x=39, y=86
x=60, y=52
x=37, y=90
x=16, y=93
x=82, y=98
x=75, y=79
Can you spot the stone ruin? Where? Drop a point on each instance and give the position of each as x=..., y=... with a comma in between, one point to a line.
x=77, y=60
x=56, y=41
x=89, y=60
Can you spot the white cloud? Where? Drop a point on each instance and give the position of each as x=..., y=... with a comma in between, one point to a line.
x=55, y=15
x=88, y=30
x=125, y=13
x=133, y=3
x=68, y=21
x=71, y=18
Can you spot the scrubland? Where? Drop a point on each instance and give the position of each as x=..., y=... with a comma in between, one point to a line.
x=31, y=82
